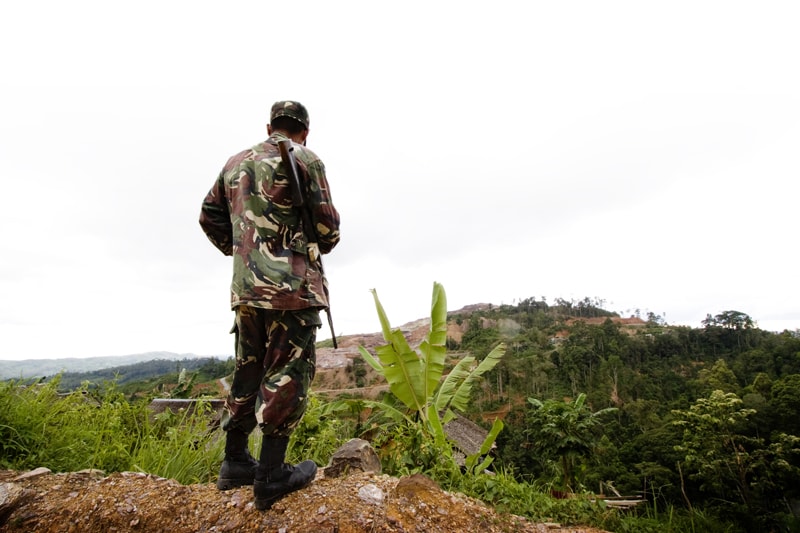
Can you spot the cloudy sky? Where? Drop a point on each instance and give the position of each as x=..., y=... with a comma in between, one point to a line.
x=642, y=153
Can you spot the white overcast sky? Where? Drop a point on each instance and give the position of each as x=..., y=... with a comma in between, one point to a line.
x=642, y=153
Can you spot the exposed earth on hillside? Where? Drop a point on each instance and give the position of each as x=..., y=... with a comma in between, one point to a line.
x=362, y=502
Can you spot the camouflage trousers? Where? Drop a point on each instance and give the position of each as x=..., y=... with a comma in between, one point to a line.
x=275, y=364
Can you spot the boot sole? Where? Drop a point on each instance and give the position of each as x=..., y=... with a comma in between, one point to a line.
x=231, y=483
x=264, y=504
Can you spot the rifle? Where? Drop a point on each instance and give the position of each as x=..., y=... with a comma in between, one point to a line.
x=298, y=199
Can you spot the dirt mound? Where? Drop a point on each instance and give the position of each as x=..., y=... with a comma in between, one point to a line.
x=81, y=502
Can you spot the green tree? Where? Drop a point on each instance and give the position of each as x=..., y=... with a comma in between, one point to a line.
x=733, y=329
x=614, y=371
x=578, y=358
x=564, y=431
x=747, y=477
x=719, y=377
x=785, y=404
x=730, y=320
x=714, y=447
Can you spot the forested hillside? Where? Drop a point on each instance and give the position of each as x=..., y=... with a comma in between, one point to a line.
x=145, y=371
x=38, y=368
x=696, y=417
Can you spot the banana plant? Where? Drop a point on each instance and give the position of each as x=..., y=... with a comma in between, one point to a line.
x=415, y=376
x=472, y=460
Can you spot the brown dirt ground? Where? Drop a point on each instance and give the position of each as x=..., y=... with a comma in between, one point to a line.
x=134, y=502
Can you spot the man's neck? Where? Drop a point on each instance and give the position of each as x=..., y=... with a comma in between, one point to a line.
x=297, y=139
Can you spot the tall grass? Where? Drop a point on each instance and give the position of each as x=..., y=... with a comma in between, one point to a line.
x=100, y=429
x=39, y=427
x=180, y=446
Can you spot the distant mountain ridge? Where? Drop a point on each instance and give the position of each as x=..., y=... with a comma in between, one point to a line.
x=33, y=368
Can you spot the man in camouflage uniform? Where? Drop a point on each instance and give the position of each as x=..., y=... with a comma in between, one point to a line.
x=277, y=292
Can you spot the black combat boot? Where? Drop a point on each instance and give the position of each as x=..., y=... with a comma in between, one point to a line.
x=274, y=478
x=239, y=467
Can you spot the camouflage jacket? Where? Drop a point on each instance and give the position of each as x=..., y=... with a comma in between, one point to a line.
x=248, y=214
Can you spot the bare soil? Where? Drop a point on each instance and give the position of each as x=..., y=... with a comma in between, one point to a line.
x=135, y=502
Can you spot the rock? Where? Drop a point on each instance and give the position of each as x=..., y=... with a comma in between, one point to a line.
x=11, y=495
x=356, y=455
x=415, y=486
x=371, y=494
x=36, y=472
x=91, y=472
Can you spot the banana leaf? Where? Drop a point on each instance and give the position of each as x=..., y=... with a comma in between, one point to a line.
x=461, y=396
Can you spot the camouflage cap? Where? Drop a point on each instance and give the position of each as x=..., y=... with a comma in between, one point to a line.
x=290, y=108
